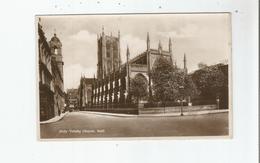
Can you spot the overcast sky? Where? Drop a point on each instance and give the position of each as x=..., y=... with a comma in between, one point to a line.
x=203, y=37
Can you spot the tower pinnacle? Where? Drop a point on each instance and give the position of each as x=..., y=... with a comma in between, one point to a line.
x=170, y=49
x=170, y=45
x=185, y=63
x=127, y=54
x=160, y=47
x=103, y=33
x=148, y=41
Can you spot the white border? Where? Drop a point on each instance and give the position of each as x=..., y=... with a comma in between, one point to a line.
x=230, y=82
x=17, y=123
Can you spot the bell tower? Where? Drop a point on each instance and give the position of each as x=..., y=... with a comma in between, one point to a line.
x=109, y=59
x=56, y=51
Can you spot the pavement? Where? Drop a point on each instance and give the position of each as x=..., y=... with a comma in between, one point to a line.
x=161, y=114
x=54, y=119
x=104, y=125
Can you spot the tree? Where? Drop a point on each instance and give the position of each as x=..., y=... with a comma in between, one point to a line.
x=190, y=88
x=171, y=83
x=202, y=65
x=210, y=81
x=184, y=85
x=138, y=87
x=163, y=85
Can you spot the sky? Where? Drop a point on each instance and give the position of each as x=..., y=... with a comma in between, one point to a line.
x=202, y=37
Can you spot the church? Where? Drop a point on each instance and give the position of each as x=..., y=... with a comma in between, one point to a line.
x=111, y=86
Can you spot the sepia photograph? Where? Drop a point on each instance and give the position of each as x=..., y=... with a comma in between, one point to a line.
x=134, y=75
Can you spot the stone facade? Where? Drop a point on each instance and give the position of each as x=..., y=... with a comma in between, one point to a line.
x=72, y=95
x=111, y=89
x=51, y=98
x=85, y=92
x=108, y=54
x=57, y=71
x=46, y=90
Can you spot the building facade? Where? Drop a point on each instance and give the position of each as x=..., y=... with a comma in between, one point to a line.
x=108, y=53
x=85, y=92
x=57, y=71
x=46, y=90
x=72, y=95
x=112, y=85
x=51, y=94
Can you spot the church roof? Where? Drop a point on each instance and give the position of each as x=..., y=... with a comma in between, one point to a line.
x=55, y=38
x=55, y=42
x=143, y=54
x=137, y=57
x=163, y=51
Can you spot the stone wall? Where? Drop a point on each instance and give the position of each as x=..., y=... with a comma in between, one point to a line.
x=176, y=109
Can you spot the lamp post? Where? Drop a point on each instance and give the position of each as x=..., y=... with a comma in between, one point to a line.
x=182, y=106
x=107, y=101
x=181, y=89
x=217, y=100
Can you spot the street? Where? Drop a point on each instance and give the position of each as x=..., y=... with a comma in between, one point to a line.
x=91, y=125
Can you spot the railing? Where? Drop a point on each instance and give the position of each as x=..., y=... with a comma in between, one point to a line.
x=113, y=108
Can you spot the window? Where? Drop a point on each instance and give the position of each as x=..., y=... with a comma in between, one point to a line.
x=108, y=54
x=43, y=79
x=56, y=51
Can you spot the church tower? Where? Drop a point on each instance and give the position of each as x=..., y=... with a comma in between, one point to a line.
x=109, y=59
x=56, y=51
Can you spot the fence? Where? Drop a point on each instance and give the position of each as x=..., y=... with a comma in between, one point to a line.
x=176, y=109
x=195, y=102
x=114, y=110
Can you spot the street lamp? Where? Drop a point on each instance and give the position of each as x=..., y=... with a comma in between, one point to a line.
x=181, y=88
x=217, y=102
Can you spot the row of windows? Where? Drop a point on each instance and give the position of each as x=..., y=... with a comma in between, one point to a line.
x=108, y=86
x=104, y=97
x=114, y=52
x=45, y=80
x=45, y=57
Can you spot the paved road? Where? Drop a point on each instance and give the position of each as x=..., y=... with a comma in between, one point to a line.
x=86, y=125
